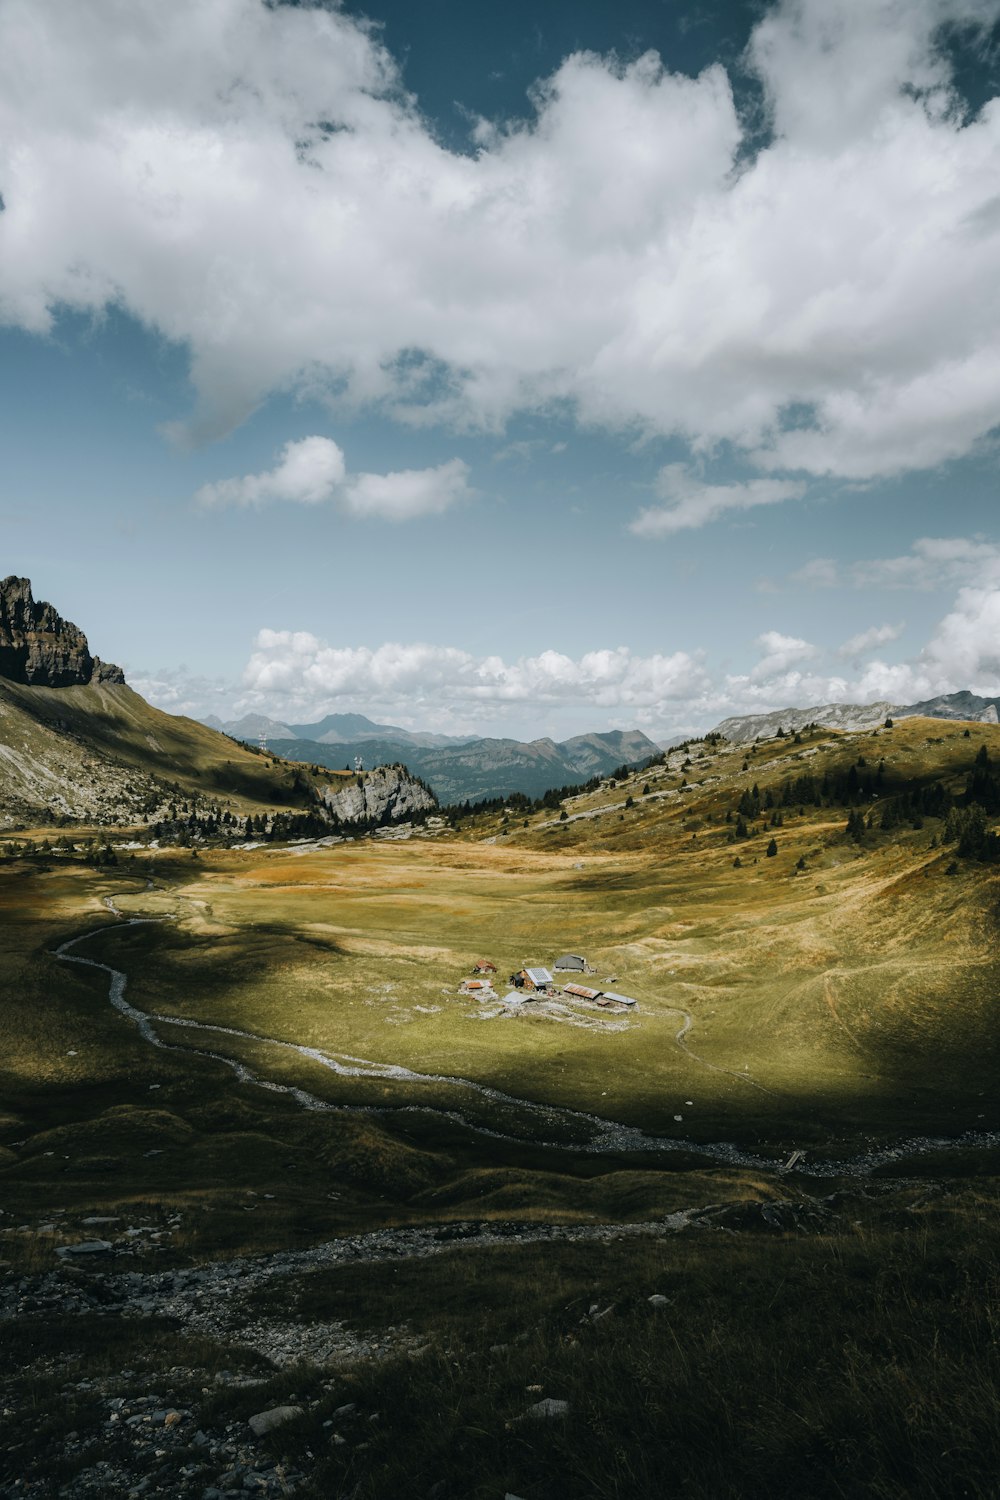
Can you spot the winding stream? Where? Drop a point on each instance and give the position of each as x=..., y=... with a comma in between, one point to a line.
x=602, y=1136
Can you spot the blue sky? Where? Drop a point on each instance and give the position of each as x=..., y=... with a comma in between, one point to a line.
x=510, y=369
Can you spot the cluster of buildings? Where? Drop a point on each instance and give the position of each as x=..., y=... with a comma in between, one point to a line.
x=538, y=983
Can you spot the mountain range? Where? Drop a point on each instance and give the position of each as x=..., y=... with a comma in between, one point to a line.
x=962, y=705
x=458, y=770
x=334, y=729
x=78, y=744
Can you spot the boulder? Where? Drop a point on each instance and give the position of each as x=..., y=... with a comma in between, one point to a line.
x=277, y=1416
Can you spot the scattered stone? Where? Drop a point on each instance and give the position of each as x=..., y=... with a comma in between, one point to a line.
x=548, y=1409
x=277, y=1416
x=85, y=1247
x=658, y=1300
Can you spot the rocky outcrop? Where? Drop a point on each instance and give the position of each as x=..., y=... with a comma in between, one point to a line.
x=845, y=716
x=388, y=794
x=41, y=649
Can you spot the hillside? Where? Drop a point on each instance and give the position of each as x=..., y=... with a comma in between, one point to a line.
x=79, y=746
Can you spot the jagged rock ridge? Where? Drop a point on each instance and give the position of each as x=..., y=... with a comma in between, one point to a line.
x=39, y=648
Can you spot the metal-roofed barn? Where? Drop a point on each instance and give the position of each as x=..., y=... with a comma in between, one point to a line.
x=573, y=961
x=580, y=991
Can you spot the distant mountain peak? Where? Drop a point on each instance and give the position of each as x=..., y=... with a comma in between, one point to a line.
x=39, y=648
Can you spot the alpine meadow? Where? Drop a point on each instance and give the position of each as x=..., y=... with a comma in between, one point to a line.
x=500, y=974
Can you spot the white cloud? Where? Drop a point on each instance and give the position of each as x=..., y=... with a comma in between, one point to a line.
x=867, y=640
x=693, y=503
x=294, y=674
x=308, y=472
x=296, y=669
x=253, y=182
x=312, y=471
x=780, y=653
x=409, y=492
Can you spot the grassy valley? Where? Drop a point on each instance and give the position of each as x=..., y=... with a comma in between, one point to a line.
x=401, y=1191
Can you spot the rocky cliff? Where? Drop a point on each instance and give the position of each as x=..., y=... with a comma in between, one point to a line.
x=388, y=794
x=41, y=649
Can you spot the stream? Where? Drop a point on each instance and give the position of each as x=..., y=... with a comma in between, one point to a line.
x=603, y=1136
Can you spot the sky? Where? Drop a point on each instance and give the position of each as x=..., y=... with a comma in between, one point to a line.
x=506, y=369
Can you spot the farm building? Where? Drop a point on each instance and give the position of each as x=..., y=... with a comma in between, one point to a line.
x=580, y=992
x=476, y=987
x=609, y=997
x=484, y=966
x=536, y=979
x=572, y=961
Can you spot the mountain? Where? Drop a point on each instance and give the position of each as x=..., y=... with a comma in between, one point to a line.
x=334, y=729
x=41, y=649
x=846, y=716
x=349, y=729
x=252, y=726
x=590, y=754
x=741, y=730
x=77, y=745
x=962, y=705
x=481, y=769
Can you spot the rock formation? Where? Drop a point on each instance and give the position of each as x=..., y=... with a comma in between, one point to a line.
x=388, y=794
x=41, y=649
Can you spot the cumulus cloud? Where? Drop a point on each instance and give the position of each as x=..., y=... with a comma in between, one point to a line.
x=296, y=668
x=693, y=503
x=779, y=653
x=313, y=470
x=867, y=640
x=409, y=492
x=252, y=181
x=295, y=674
x=308, y=473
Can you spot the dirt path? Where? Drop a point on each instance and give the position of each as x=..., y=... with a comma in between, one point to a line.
x=686, y=1024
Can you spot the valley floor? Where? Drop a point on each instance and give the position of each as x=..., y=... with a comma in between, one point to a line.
x=315, y=1176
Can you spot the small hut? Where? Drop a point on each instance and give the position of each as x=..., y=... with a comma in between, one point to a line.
x=484, y=966
x=571, y=961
